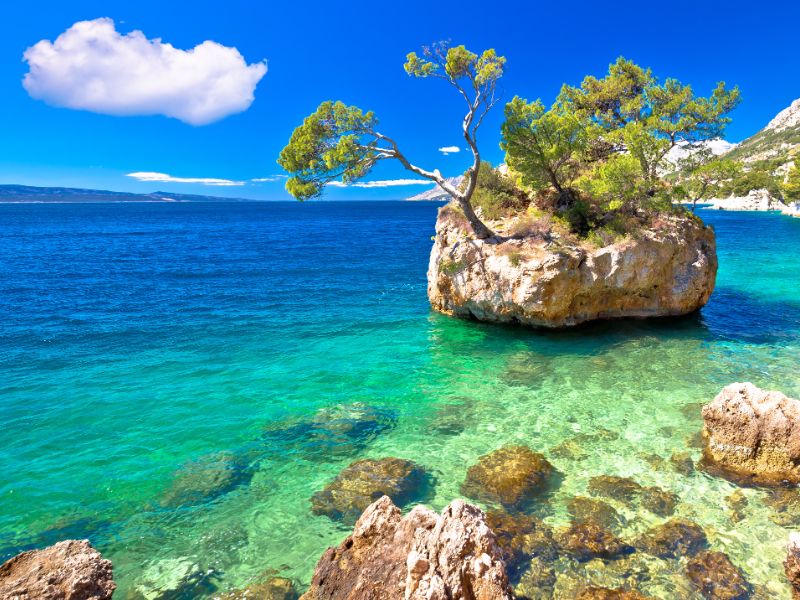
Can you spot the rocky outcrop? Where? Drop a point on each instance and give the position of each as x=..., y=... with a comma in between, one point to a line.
x=536, y=279
x=755, y=200
x=752, y=435
x=452, y=556
x=792, y=209
x=792, y=564
x=68, y=570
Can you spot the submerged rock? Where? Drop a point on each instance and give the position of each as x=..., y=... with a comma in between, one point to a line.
x=268, y=588
x=668, y=271
x=512, y=476
x=537, y=582
x=785, y=503
x=68, y=570
x=659, y=502
x=333, y=431
x=521, y=537
x=363, y=482
x=624, y=489
x=422, y=556
x=206, y=479
x=171, y=579
x=682, y=463
x=717, y=578
x=673, y=539
x=791, y=565
x=753, y=435
x=587, y=540
x=593, y=510
x=598, y=593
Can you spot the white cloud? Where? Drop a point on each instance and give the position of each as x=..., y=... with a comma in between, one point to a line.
x=164, y=178
x=381, y=183
x=449, y=150
x=268, y=179
x=93, y=67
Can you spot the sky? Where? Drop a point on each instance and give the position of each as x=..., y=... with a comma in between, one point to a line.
x=200, y=97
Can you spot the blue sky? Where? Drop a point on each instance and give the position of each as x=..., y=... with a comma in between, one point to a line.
x=351, y=51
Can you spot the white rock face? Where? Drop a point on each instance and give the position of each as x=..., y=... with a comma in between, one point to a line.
x=668, y=271
x=788, y=117
x=756, y=200
x=792, y=209
x=422, y=556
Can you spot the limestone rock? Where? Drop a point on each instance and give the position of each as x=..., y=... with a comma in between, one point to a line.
x=512, y=476
x=755, y=200
x=663, y=272
x=753, y=435
x=452, y=556
x=792, y=564
x=717, y=578
x=363, y=482
x=68, y=570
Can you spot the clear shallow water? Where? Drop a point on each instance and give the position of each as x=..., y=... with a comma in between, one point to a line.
x=137, y=338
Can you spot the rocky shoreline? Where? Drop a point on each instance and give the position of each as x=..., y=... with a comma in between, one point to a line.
x=536, y=279
x=750, y=436
x=756, y=200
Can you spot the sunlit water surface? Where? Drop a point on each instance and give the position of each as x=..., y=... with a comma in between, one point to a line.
x=135, y=339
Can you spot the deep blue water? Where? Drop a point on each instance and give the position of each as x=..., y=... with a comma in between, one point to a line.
x=137, y=338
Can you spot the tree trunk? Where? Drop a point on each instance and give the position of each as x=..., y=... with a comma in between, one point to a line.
x=481, y=231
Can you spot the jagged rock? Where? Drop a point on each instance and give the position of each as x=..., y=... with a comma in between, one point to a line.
x=666, y=271
x=206, y=479
x=422, y=556
x=623, y=489
x=585, y=510
x=673, y=539
x=363, y=482
x=659, y=502
x=791, y=565
x=68, y=570
x=587, y=540
x=512, y=476
x=752, y=435
x=333, y=431
x=717, y=578
x=269, y=588
x=598, y=593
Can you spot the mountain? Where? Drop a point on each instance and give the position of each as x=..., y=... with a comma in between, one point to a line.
x=779, y=141
x=29, y=193
x=437, y=193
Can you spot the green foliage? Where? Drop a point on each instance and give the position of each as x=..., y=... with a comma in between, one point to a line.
x=336, y=141
x=496, y=194
x=791, y=187
x=544, y=147
x=451, y=267
x=706, y=176
x=456, y=63
x=753, y=179
x=615, y=182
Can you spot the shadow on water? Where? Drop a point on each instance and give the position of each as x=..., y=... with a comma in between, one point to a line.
x=735, y=315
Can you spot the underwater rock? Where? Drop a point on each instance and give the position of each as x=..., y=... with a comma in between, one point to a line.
x=206, y=479
x=717, y=578
x=753, y=435
x=267, y=588
x=521, y=537
x=663, y=272
x=512, y=476
x=453, y=419
x=68, y=570
x=673, y=539
x=333, y=431
x=584, y=510
x=587, y=540
x=785, y=503
x=537, y=582
x=623, y=489
x=682, y=463
x=737, y=502
x=422, y=556
x=791, y=565
x=363, y=482
x=599, y=593
x=172, y=579
x=659, y=502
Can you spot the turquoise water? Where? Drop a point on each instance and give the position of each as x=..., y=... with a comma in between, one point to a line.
x=136, y=339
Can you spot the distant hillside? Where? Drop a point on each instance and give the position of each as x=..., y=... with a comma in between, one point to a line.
x=437, y=193
x=28, y=193
x=779, y=141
